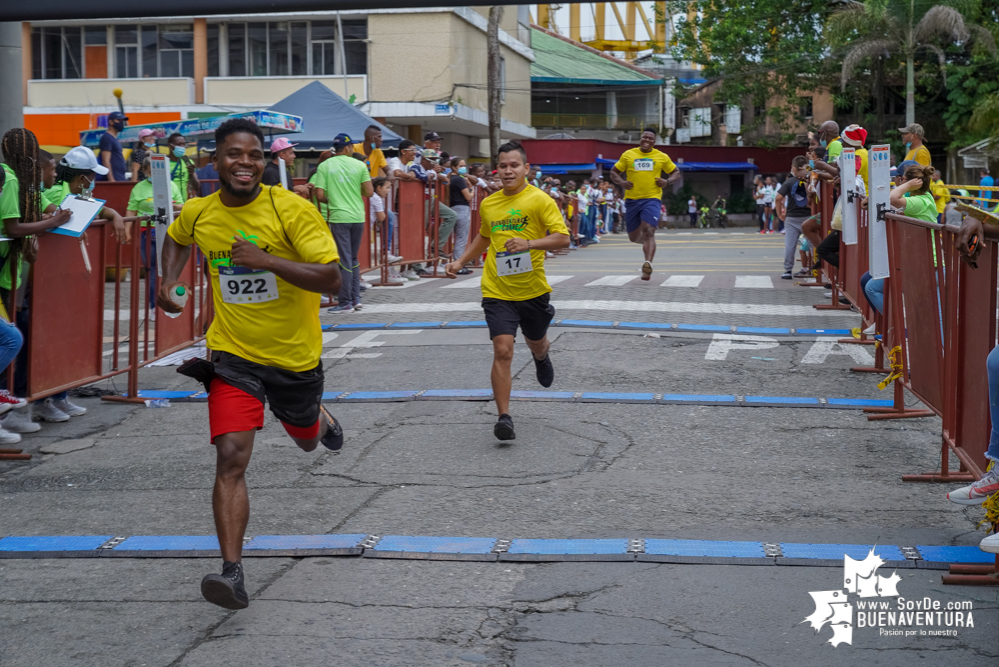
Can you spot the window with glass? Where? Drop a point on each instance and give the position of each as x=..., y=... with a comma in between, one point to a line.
x=295, y=48
x=57, y=53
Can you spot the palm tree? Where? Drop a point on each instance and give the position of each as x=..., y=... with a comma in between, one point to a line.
x=886, y=28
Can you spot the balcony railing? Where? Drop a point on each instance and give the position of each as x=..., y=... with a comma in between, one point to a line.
x=591, y=121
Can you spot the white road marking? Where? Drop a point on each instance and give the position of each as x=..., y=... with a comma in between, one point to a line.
x=757, y=282
x=683, y=281
x=365, y=340
x=722, y=344
x=471, y=283
x=612, y=281
x=611, y=305
x=822, y=349
x=555, y=280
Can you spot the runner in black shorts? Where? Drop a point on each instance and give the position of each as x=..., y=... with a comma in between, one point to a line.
x=270, y=255
x=519, y=223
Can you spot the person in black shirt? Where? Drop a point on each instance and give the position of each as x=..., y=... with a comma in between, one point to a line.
x=111, y=154
x=284, y=149
x=791, y=206
x=461, y=195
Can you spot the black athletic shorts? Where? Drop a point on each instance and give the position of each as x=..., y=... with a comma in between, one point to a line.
x=294, y=397
x=533, y=316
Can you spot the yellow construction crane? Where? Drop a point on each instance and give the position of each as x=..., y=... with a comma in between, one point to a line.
x=633, y=42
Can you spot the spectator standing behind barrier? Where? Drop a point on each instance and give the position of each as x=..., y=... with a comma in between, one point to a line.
x=461, y=198
x=912, y=135
x=941, y=195
x=140, y=203
x=912, y=196
x=182, y=167
x=986, y=182
x=855, y=137
x=381, y=214
x=432, y=141
x=427, y=170
x=112, y=157
x=343, y=183
x=374, y=158
x=792, y=208
x=282, y=149
x=143, y=147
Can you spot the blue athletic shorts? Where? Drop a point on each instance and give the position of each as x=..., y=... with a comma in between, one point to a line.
x=638, y=211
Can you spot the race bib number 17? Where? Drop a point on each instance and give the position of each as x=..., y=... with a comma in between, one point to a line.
x=240, y=285
x=512, y=263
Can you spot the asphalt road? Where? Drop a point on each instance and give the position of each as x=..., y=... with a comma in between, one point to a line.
x=576, y=470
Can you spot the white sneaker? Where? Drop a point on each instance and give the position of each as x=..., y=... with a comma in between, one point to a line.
x=47, y=411
x=19, y=421
x=395, y=276
x=990, y=544
x=365, y=284
x=394, y=258
x=979, y=492
x=410, y=274
x=8, y=438
x=869, y=330
x=70, y=409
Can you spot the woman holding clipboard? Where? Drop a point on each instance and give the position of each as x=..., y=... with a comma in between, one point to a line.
x=76, y=174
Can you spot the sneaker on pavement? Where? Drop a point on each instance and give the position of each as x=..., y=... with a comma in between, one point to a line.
x=990, y=544
x=226, y=589
x=394, y=258
x=786, y=275
x=504, y=428
x=357, y=305
x=333, y=438
x=8, y=438
x=869, y=330
x=365, y=284
x=395, y=276
x=545, y=370
x=340, y=309
x=70, y=409
x=19, y=421
x=410, y=274
x=465, y=272
x=647, y=271
x=8, y=402
x=47, y=411
x=977, y=493
x=804, y=273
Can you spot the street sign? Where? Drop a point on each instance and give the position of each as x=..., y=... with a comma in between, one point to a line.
x=879, y=179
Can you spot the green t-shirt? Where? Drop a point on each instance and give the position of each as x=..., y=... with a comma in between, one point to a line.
x=324, y=210
x=180, y=176
x=141, y=199
x=10, y=207
x=921, y=207
x=54, y=195
x=341, y=177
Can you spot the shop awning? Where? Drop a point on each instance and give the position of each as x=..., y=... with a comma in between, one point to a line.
x=564, y=168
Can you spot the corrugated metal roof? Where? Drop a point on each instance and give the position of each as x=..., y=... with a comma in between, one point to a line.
x=559, y=61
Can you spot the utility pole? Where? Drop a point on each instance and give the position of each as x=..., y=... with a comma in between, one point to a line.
x=11, y=75
x=494, y=82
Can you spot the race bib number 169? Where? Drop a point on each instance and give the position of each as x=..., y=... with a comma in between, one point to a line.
x=240, y=285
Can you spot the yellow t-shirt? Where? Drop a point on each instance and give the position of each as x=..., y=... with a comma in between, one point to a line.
x=940, y=190
x=375, y=161
x=529, y=215
x=920, y=155
x=861, y=154
x=284, y=332
x=643, y=169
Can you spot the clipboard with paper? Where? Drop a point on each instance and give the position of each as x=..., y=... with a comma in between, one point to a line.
x=83, y=213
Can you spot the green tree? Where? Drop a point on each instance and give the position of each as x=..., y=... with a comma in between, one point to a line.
x=882, y=29
x=765, y=52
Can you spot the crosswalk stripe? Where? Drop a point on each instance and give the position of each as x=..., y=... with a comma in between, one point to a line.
x=611, y=281
x=683, y=281
x=555, y=280
x=759, y=282
x=470, y=283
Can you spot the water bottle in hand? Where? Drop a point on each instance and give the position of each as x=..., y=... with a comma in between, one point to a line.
x=179, y=295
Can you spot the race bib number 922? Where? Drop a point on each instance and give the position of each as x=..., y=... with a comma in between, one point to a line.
x=240, y=285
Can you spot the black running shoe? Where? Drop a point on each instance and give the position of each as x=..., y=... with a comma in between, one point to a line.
x=504, y=428
x=546, y=372
x=226, y=590
x=333, y=439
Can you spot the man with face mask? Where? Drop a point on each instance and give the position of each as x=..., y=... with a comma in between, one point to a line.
x=181, y=166
x=912, y=135
x=829, y=140
x=111, y=156
x=374, y=158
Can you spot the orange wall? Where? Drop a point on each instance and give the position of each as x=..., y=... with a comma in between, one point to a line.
x=63, y=129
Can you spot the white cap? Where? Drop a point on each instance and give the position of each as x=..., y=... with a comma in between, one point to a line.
x=83, y=158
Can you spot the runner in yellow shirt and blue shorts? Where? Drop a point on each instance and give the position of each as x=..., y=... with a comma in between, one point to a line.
x=519, y=223
x=639, y=171
x=270, y=255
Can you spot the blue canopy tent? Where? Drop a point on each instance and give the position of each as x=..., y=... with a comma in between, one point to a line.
x=325, y=115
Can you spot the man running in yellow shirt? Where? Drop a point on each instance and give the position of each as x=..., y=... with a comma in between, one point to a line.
x=639, y=173
x=519, y=223
x=270, y=256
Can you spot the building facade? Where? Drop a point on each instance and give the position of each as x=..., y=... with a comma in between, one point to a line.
x=413, y=70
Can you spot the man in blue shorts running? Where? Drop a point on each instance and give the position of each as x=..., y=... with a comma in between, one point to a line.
x=639, y=172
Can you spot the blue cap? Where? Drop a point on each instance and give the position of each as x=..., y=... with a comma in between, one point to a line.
x=117, y=115
x=342, y=139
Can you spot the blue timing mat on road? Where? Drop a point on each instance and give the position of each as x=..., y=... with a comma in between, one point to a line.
x=598, y=324
x=425, y=547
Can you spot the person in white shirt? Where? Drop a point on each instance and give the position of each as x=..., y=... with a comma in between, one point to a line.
x=692, y=210
x=769, y=192
x=380, y=215
x=609, y=216
x=759, y=192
